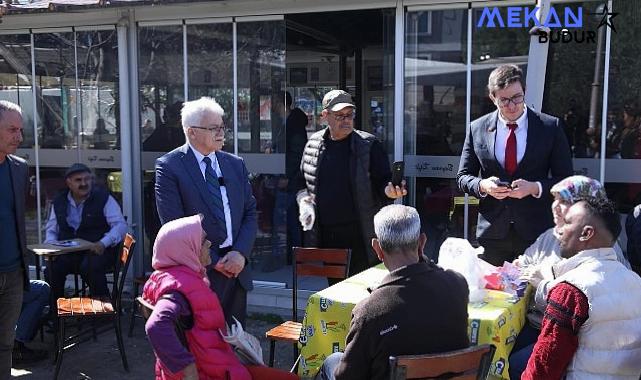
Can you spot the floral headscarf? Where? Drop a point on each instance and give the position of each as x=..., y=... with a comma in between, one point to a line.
x=578, y=186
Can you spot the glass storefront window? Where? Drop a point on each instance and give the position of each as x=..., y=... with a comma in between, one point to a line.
x=623, y=132
x=210, y=61
x=55, y=78
x=98, y=76
x=15, y=79
x=434, y=122
x=161, y=89
x=261, y=78
x=576, y=95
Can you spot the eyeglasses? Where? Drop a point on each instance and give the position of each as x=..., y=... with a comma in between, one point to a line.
x=349, y=116
x=215, y=128
x=516, y=100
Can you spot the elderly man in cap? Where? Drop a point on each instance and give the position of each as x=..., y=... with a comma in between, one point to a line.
x=87, y=212
x=346, y=181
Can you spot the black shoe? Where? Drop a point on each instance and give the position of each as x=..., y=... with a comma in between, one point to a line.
x=22, y=354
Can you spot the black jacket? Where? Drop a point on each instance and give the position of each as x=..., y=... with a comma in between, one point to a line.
x=547, y=159
x=368, y=181
x=417, y=309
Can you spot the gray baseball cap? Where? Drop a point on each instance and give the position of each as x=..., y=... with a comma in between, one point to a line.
x=77, y=168
x=336, y=100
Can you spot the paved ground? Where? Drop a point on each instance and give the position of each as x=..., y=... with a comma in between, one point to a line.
x=101, y=359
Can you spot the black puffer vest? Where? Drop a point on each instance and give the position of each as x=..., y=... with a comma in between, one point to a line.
x=93, y=224
x=367, y=202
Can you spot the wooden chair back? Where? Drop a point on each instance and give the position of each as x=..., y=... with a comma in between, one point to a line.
x=120, y=271
x=466, y=364
x=318, y=262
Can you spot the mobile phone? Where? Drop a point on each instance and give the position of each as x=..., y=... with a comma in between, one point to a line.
x=504, y=184
x=398, y=171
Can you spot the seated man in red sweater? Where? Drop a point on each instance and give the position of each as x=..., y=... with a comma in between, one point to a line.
x=592, y=324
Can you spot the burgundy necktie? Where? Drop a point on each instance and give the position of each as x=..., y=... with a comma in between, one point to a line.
x=510, y=149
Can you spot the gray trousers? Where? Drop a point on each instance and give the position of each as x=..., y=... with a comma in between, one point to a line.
x=329, y=366
x=11, y=292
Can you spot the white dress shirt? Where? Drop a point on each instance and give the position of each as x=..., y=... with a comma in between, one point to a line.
x=113, y=215
x=223, y=191
x=502, y=133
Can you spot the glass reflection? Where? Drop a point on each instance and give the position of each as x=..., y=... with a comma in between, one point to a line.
x=160, y=72
x=434, y=118
x=209, y=48
x=55, y=78
x=15, y=79
x=576, y=95
x=623, y=137
x=261, y=77
x=98, y=77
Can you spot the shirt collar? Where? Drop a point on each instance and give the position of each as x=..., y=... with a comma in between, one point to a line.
x=73, y=201
x=199, y=156
x=521, y=121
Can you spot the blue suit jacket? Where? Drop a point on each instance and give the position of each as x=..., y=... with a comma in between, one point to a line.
x=547, y=159
x=20, y=178
x=181, y=191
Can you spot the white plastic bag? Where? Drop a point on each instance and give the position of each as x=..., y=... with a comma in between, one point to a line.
x=459, y=255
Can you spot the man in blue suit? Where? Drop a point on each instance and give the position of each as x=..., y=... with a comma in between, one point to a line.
x=199, y=177
x=510, y=160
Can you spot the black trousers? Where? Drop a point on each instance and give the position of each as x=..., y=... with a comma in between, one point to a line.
x=347, y=235
x=507, y=249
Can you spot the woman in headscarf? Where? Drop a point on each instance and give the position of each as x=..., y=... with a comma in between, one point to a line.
x=537, y=261
x=179, y=291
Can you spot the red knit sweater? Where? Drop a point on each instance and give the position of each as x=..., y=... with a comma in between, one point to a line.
x=566, y=312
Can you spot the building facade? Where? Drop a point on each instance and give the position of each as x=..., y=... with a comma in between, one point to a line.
x=103, y=84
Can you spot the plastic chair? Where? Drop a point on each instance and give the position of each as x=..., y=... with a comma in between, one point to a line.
x=80, y=308
x=318, y=262
x=466, y=364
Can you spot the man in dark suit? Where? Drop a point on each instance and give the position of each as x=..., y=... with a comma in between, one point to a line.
x=199, y=177
x=14, y=276
x=510, y=160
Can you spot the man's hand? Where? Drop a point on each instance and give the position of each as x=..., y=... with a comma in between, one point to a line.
x=98, y=248
x=522, y=188
x=534, y=274
x=233, y=262
x=489, y=186
x=190, y=372
x=394, y=192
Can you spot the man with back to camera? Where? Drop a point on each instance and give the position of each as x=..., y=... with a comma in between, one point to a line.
x=506, y=160
x=387, y=323
x=87, y=212
x=592, y=323
x=14, y=274
x=199, y=177
x=346, y=181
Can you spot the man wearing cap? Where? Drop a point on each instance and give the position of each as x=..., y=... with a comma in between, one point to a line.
x=87, y=212
x=347, y=180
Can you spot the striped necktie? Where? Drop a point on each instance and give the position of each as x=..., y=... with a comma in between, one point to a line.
x=216, y=198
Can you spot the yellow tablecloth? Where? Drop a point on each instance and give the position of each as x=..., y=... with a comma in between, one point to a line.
x=496, y=321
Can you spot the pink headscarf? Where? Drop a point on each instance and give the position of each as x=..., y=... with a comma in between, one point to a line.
x=179, y=243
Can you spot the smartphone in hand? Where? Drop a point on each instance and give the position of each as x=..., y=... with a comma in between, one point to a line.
x=398, y=172
x=504, y=184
